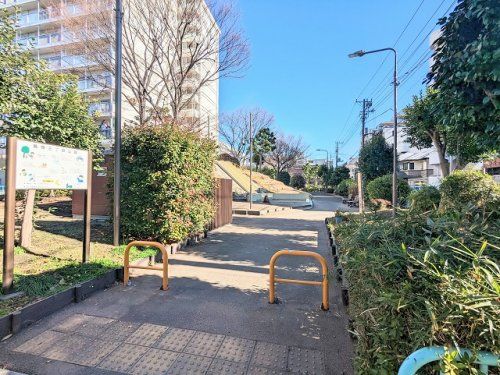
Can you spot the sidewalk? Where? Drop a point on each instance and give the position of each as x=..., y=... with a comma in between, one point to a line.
x=214, y=318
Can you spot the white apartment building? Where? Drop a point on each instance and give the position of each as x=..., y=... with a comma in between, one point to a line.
x=42, y=29
x=419, y=166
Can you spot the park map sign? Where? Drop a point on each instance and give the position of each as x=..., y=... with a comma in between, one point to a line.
x=40, y=166
x=44, y=166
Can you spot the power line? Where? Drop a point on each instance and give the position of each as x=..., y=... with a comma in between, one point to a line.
x=380, y=87
x=383, y=62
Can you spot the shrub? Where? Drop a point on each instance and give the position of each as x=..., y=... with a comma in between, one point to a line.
x=268, y=172
x=284, y=177
x=298, y=181
x=381, y=188
x=425, y=199
x=167, y=183
x=462, y=188
x=418, y=281
x=347, y=187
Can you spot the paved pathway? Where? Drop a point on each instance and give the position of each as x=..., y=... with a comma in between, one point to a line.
x=215, y=317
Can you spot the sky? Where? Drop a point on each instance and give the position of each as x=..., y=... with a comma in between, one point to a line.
x=299, y=69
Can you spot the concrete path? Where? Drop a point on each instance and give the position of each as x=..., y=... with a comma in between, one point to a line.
x=215, y=317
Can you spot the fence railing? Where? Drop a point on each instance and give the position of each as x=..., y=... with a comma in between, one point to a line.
x=423, y=356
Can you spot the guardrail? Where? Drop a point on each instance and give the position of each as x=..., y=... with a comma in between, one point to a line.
x=324, y=272
x=423, y=356
x=164, y=268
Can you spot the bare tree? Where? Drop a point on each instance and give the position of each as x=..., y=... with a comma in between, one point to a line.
x=171, y=50
x=288, y=152
x=234, y=130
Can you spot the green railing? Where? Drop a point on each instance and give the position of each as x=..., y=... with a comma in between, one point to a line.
x=423, y=356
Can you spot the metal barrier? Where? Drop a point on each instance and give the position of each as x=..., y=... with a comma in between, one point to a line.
x=324, y=283
x=423, y=356
x=164, y=268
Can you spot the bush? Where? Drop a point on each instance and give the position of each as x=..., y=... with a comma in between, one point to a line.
x=347, y=187
x=420, y=280
x=284, y=177
x=298, y=181
x=425, y=199
x=381, y=188
x=462, y=188
x=167, y=183
x=268, y=172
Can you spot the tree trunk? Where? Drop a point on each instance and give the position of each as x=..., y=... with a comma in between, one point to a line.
x=27, y=222
x=443, y=162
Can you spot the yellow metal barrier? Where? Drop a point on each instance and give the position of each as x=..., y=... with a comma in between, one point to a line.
x=273, y=279
x=164, y=268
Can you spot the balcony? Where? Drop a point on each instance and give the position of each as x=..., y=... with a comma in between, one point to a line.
x=10, y=3
x=417, y=173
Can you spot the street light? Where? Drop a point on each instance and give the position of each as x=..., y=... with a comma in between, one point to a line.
x=327, y=156
x=118, y=122
x=395, y=146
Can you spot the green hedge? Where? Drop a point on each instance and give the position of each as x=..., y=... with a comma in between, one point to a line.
x=381, y=188
x=469, y=188
x=419, y=280
x=167, y=183
x=425, y=199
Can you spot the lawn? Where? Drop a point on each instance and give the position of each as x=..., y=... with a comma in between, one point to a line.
x=53, y=263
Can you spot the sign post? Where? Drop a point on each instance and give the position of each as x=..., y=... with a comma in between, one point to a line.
x=33, y=165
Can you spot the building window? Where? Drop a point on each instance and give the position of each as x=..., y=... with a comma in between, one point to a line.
x=408, y=166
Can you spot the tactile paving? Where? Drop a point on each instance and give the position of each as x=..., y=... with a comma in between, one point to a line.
x=306, y=361
x=206, y=344
x=146, y=334
x=271, y=355
x=119, y=331
x=40, y=343
x=257, y=370
x=188, y=364
x=235, y=349
x=94, y=326
x=220, y=366
x=154, y=362
x=80, y=350
x=175, y=339
x=123, y=357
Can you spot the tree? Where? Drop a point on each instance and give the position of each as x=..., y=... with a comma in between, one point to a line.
x=288, y=152
x=40, y=105
x=375, y=158
x=284, y=177
x=234, y=130
x=170, y=51
x=263, y=143
x=310, y=173
x=381, y=188
x=424, y=129
x=466, y=74
x=298, y=181
x=339, y=174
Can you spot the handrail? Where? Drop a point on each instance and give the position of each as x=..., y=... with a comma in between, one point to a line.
x=324, y=283
x=164, y=268
x=426, y=355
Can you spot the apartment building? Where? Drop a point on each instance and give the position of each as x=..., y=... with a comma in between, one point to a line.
x=418, y=166
x=43, y=28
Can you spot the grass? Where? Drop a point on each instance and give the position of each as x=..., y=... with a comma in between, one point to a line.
x=53, y=262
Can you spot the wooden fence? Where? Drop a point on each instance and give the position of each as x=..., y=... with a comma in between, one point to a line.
x=101, y=204
x=224, y=202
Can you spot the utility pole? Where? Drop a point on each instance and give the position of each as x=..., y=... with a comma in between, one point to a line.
x=364, y=115
x=337, y=143
x=251, y=156
x=118, y=123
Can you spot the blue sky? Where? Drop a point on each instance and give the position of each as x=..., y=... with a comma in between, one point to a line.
x=300, y=71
